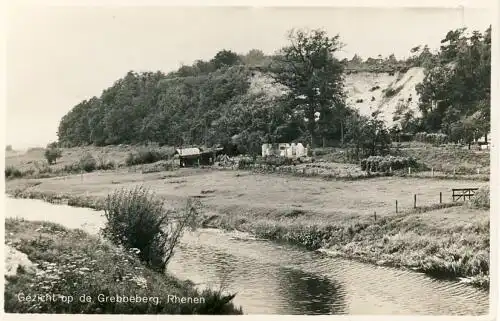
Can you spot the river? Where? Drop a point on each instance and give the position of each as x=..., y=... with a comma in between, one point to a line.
x=272, y=278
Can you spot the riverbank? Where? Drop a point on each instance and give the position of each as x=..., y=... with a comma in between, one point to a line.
x=73, y=263
x=352, y=219
x=449, y=248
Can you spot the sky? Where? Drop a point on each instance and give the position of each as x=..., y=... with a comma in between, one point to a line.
x=59, y=56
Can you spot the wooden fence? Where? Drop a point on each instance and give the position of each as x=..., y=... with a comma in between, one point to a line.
x=463, y=193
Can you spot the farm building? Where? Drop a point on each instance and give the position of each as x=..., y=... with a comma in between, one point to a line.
x=287, y=150
x=194, y=156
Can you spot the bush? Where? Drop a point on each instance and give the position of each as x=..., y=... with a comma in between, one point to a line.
x=8, y=148
x=390, y=92
x=88, y=163
x=137, y=219
x=146, y=155
x=245, y=162
x=104, y=164
x=276, y=161
x=12, y=172
x=52, y=154
x=481, y=198
x=385, y=163
x=431, y=138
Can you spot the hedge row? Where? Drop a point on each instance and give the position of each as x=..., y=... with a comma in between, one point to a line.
x=433, y=138
x=387, y=163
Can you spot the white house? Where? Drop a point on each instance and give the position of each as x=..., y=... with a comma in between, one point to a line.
x=293, y=150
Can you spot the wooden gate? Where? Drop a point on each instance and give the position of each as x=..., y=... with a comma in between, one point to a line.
x=463, y=193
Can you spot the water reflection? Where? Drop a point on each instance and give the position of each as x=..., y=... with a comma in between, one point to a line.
x=310, y=294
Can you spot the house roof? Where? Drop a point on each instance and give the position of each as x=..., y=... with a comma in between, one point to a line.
x=188, y=151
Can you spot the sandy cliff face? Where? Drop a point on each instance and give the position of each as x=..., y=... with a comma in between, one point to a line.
x=362, y=91
x=363, y=94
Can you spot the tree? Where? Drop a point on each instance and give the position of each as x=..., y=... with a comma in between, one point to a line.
x=313, y=76
x=254, y=57
x=356, y=60
x=225, y=58
x=52, y=154
x=368, y=134
x=457, y=84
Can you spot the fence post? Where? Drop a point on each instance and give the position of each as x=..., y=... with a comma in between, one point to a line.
x=432, y=172
x=440, y=197
x=390, y=169
x=375, y=215
x=478, y=171
x=409, y=170
x=415, y=201
x=396, y=206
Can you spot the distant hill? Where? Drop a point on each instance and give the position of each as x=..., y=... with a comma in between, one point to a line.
x=233, y=99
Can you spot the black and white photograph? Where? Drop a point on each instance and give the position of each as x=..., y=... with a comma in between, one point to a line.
x=217, y=160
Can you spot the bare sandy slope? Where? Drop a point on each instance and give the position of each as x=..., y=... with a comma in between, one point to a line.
x=243, y=191
x=359, y=86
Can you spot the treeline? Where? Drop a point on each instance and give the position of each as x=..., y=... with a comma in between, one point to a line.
x=210, y=102
x=454, y=97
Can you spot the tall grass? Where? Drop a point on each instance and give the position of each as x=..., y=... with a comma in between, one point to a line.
x=481, y=198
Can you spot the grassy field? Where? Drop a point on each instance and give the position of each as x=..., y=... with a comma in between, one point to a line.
x=72, y=263
x=34, y=159
x=267, y=195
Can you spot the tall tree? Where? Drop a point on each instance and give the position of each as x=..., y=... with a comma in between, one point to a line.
x=314, y=77
x=225, y=58
x=456, y=87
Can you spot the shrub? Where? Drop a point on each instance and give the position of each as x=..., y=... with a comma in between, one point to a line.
x=390, y=92
x=385, y=163
x=245, y=162
x=12, y=172
x=137, y=219
x=432, y=138
x=159, y=166
x=8, y=148
x=146, y=155
x=276, y=161
x=52, y=154
x=375, y=88
x=104, y=164
x=481, y=198
x=88, y=163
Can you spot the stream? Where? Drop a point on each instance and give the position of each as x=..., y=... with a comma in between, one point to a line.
x=271, y=278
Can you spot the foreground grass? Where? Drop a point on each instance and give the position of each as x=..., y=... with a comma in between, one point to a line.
x=72, y=263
